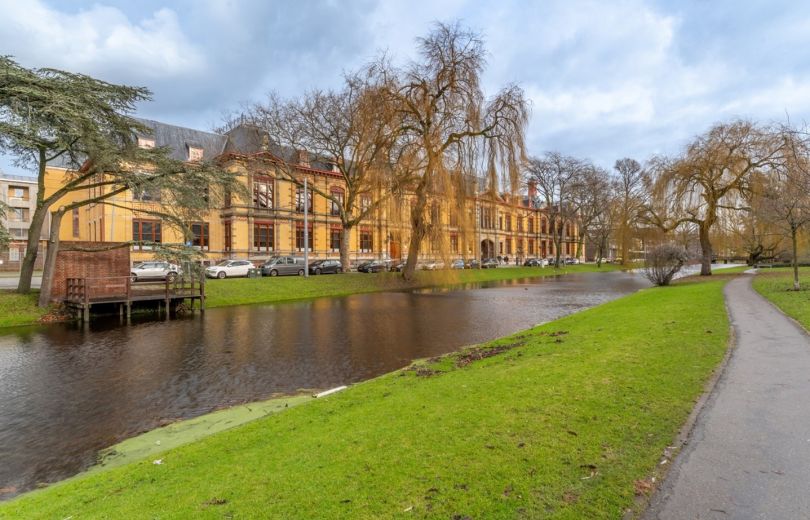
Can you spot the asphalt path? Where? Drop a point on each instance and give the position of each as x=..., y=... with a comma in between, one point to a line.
x=749, y=453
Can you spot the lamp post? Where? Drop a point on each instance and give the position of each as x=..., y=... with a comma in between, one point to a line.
x=306, y=231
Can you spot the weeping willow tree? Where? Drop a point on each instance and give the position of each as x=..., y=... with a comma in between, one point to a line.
x=450, y=128
x=713, y=175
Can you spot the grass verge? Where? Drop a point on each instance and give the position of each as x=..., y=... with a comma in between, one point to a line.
x=561, y=421
x=777, y=284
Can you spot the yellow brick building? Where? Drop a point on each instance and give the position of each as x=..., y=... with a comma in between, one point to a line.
x=271, y=221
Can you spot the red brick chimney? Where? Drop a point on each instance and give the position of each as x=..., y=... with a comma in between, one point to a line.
x=532, y=192
x=303, y=158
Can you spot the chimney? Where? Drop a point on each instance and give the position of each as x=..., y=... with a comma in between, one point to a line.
x=303, y=158
x=532, y=192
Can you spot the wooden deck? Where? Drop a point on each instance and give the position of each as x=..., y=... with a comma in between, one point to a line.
x=83, y=293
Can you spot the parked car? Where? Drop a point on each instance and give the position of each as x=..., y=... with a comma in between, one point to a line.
x=398, y=266
x=283, y=265
x=534, y=262
x=472, y=264
x=457, y=264
x=229, y=269
x=489, y=263
x=571, y=261
x=431, y=265
x=375, y=266
x=325, y=267
x=155, y=271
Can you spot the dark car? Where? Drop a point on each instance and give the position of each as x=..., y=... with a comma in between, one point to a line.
x=376, y=266
x=472, y=264
x=283, y=265
x=533, y=262
x=489, y=263
x=325, y=267
x=398, y=266
x=457, y=264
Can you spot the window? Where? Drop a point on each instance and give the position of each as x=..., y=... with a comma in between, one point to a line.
x=299, y=200
x=18, y=233
x=531, y=224
x=339, y=196
x=18, y=192
x=334, y=238
x=262, y=192
x=543, y=226
x=366, y=243
x=520, y=223
x=500, y=222
x=365, y=203
x=263, y=236
x=454, y=243
x=18, y=214
x=531, y=246
x=453, y=218
x=508, y=246
x=487, y=220
x=299, y=236
x=146, y=194
x=228, y=236
x=200, y=237
x=146, y=231
x=509, y=222
x=75, y=215
x=520, y=249
x=435, y=213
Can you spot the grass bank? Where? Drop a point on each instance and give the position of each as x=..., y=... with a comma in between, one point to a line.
x=564, y=420
x=777, y=284
x=222, y=293
x=19, y=309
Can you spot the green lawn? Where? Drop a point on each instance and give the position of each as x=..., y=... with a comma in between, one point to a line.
x=562, y=424
x=777, y=284
x=19, y=309
x=221, y=293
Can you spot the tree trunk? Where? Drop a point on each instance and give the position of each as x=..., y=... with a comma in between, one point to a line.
x=418, y=232
x=345, y=238
x=706, y=250
x=625, y=245
x=558, y=232
x=50, y=259
x=794, y=232
x=31, y=250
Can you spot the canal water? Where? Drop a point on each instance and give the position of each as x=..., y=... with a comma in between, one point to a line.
x=67, y=392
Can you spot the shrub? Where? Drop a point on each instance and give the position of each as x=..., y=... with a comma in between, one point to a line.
x=663, y=262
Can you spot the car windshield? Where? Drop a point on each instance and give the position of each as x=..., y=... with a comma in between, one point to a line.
x=224, y=263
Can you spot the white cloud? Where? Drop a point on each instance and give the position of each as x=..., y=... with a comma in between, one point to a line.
x=99, y=40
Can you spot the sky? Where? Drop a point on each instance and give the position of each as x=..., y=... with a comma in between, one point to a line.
x=625, y=78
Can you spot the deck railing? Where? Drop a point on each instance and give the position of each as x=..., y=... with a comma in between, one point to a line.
x=121, y=288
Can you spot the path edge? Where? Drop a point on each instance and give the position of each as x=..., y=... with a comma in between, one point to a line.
x=646, y=506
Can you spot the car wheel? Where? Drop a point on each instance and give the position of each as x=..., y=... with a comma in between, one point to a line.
x=171, y=277
x=221, y=275
x=317, y=271
x=133, y=278
x=300, y=272
x=339, y=270
x=273, y=273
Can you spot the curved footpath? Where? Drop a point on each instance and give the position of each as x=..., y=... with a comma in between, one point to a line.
x=749, y=453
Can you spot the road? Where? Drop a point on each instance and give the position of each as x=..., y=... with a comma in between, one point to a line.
x=749, y=454
x=10, y=282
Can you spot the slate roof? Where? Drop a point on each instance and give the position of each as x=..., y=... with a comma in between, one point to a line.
x=179, y=138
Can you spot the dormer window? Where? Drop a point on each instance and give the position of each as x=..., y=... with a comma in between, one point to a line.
x=145, y=142
x=195, y=153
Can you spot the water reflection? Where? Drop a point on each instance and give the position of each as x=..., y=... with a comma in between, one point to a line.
x=67, y=392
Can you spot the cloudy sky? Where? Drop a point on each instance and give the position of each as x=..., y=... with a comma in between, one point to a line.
x=606, y=79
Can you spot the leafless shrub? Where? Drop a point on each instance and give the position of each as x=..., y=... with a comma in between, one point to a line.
x=663, y=262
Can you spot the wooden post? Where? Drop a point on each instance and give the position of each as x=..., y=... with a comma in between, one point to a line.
x=202, y=291
x=167, y=298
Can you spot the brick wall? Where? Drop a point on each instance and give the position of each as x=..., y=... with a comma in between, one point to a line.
x=107, y=271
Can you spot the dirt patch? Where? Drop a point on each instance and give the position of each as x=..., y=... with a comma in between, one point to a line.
x=478, y=353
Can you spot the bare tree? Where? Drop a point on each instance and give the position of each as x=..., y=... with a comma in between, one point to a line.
x=786, y=193
x=603, y=227
x=632, y=182
x=555, y=176
x=591, y=197
x=449, y=127
x=354, y=129
x=713, y=174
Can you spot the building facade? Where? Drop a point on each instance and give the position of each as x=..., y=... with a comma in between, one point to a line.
x=19, y=194
x=270, y=221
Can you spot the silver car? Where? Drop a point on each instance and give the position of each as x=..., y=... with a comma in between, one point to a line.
x=283, y=265
x=155, y=271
